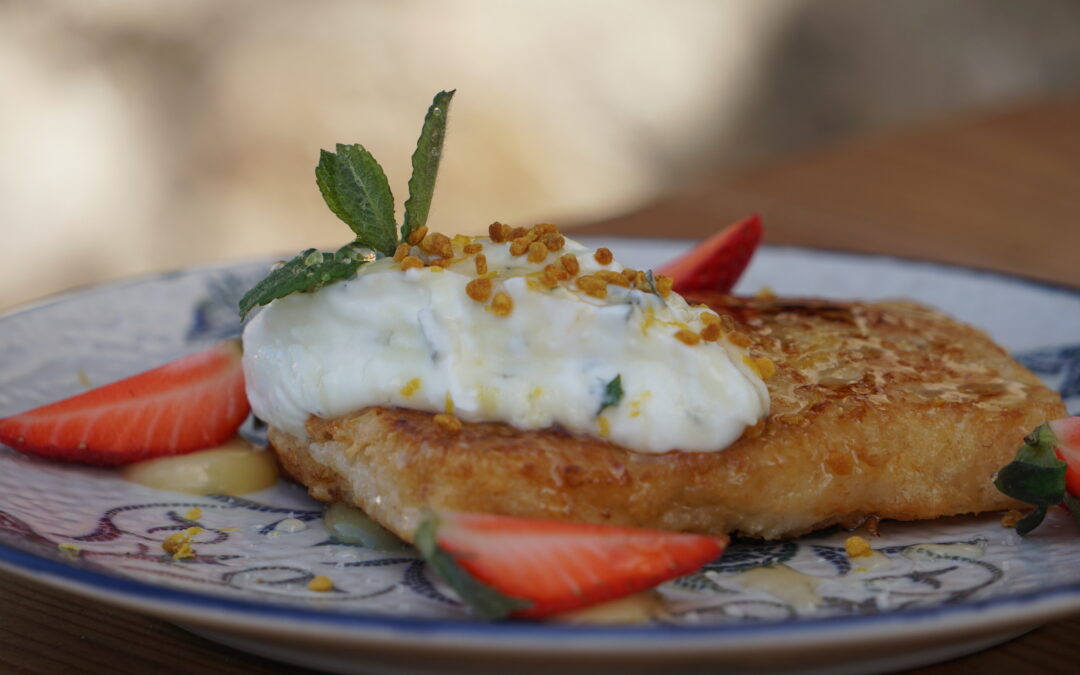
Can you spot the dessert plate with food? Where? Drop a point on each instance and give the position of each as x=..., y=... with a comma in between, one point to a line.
x=513, y=447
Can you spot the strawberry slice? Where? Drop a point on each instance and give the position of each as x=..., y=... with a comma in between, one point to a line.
x=1067, y=447
x=530, y=568
x=716, y=263
x=1045, y=472
x=195, y=402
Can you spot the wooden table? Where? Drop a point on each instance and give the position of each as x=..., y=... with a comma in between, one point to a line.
x=997, y=190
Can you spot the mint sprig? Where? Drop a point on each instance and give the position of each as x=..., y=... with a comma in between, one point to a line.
x=485, y=600
x=355, y=187
x=425, y=164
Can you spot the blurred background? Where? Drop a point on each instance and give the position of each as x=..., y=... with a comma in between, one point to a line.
x=139, y=136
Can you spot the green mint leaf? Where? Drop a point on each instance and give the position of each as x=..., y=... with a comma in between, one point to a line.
x=325, y=172
x=1035, y=476
x=1031, y=483
x=356, y=190
x=307, y=272
x=425, y=164
x=613, y=393
x=485, y=600
x=1031, y=521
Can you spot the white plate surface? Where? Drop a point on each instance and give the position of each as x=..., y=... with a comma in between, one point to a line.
x=248, y=584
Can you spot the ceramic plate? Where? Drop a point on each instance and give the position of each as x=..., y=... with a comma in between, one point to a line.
x=935, y=590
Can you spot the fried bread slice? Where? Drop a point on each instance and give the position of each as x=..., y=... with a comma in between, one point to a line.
x=891, y=410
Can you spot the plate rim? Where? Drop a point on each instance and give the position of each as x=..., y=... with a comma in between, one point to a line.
x=223, y=612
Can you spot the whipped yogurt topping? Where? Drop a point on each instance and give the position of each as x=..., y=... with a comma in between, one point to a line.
x=520, y=338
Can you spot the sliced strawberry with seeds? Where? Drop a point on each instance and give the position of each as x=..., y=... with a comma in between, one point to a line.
x=1045, y=472
x=531, y=568
x=718, y=262
x=195, y=402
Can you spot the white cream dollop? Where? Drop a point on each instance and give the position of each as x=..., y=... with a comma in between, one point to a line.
x=416, y=339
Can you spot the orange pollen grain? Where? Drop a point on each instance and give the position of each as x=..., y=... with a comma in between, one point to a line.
x=548, y=278
x=502, y=304
x=603, y=256
x=766, y=367
x=481, y=263
x=410, y=387
x=552, y=275
x=739, y=340
x=411, y=261
x=613, y=278
x=592, y=285
x=664, y=284
x=417, y=235
x=570, y=264
x=401, y=251
x=711, y=332
x=546, y=228
x=470, y=249
x=857, y=547
x=520, y=245
x=479, y=289
x=709, y=318
x=178, y=544
x=437, y=244
x=554, y=242
x=448, y=423
x=537, y=252
x=495, y=231
x=687, y=337
x=515, y=233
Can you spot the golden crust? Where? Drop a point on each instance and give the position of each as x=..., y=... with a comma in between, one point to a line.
x=889, y=409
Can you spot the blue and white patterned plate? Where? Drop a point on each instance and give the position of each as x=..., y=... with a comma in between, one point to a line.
x=935, y=590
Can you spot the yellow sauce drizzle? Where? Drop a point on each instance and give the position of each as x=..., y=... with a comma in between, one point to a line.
x=235, y=468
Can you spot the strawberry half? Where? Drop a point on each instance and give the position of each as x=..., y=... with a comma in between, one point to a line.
x=531, y=568
x=1046, y=471
x=716, y=263
x=195, y=402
